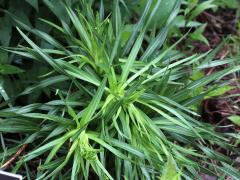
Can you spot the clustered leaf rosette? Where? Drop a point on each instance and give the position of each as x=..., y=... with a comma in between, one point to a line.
x=124, y=104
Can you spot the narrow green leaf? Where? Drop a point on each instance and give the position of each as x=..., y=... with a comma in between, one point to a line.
x=7, y=69
x=132, y=57
x=92, y=107
x=170, y=171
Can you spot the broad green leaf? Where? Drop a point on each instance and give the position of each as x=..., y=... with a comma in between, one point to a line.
x=5, y=32
x=33, y=3
x=235, y=119
x=201, y=7
x=170, y=171
x=219, y=91
x=6, y=69
x=198, y=35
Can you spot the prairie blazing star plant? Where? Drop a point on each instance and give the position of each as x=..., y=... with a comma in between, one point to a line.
x=116, y=103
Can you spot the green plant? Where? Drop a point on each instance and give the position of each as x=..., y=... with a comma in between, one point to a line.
x=28, y=12
x=234, y=4
x=113, y=107
x=187, y=20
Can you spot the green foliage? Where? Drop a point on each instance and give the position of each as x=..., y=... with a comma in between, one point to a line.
x=198, y=35
x=234, y=4
x=186, y=19
x=162, y=9
x=106, y=98
x=219, y=91
x=170, y=171
x=194, y=8
x=235, y=119
x=9, y=69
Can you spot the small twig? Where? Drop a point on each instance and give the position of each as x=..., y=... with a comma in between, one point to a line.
x=224, y=52
x=12, y=159
x=210, y=71
x=213, y=17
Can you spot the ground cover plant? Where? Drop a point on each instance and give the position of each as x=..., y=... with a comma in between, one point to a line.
x=96, y=94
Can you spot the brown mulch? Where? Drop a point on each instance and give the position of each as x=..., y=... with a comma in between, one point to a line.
x=216, y=110
x=220, y=24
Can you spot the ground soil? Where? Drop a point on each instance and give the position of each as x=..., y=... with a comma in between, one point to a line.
x=216, y=110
